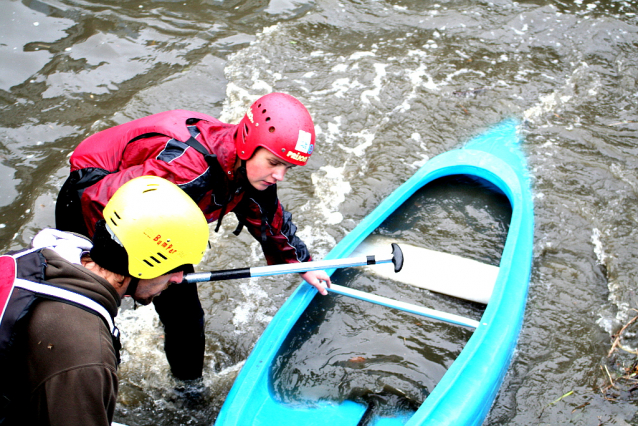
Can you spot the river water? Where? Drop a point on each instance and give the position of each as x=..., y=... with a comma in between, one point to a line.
x=389, y=84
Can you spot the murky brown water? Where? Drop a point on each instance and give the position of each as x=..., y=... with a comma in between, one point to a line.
x=389, y=84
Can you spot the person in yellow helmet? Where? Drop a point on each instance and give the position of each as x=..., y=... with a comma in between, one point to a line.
x=58, y=343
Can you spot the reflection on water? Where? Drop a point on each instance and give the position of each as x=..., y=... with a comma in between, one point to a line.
x=451, y=210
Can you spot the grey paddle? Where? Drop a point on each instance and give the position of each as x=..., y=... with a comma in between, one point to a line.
x=261, y=271
x=396, y=258
x=403, y=306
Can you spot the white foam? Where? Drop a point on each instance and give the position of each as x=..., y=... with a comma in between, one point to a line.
x=340, y=68
x=377, y=84
x=331, y=189
x=340, y=87
x=358, y=55
x=554, y=101
x=254, y=308
x=598, y=246
x=142, y=343
x=368, y=138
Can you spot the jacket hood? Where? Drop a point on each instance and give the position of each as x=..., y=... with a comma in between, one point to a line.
x=74, y=277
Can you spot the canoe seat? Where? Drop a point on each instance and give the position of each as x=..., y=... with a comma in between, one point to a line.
x=433, y=270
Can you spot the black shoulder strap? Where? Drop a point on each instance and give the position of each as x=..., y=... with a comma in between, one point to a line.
x=197, y=146
x=192, y=142
x=211, y=159
x=216, y=168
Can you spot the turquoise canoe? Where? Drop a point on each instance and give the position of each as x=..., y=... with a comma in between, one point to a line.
x=467, y=390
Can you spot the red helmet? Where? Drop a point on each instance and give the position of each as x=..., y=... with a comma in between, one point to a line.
x=279, y=123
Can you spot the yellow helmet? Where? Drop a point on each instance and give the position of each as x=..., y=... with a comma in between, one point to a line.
x=159, y=226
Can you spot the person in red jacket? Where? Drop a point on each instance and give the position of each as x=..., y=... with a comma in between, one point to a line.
x=223, y=168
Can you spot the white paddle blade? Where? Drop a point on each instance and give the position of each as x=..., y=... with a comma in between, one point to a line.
x=436, y=271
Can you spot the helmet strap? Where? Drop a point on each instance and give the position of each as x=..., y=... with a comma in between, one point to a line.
x=239, y=181
x=241, y=174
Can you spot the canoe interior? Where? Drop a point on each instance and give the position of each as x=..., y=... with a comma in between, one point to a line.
x=345, y=349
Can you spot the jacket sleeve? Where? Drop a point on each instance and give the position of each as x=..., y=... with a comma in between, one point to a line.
x=186, y=171
x=270, y=224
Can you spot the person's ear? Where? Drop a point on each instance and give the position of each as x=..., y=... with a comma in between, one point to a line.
x=119, y=281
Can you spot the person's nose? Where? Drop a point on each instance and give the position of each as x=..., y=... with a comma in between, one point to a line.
x=177, y=277
x=279, y=173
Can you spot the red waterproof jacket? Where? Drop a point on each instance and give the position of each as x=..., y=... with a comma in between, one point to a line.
x=162, y=145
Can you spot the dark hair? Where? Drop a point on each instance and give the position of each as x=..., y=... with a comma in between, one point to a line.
x=107, y=252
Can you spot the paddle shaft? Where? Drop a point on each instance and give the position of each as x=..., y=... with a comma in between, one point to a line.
x=288, y=268
x=403, y=306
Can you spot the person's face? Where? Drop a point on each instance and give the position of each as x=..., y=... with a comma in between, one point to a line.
x=150, y=288
x=264, y=169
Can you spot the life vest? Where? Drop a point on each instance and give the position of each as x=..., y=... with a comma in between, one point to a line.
x=105, y=149
x=20, y=290
x=101, y=153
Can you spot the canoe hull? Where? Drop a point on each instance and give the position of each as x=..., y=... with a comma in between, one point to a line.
x=466, y=392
